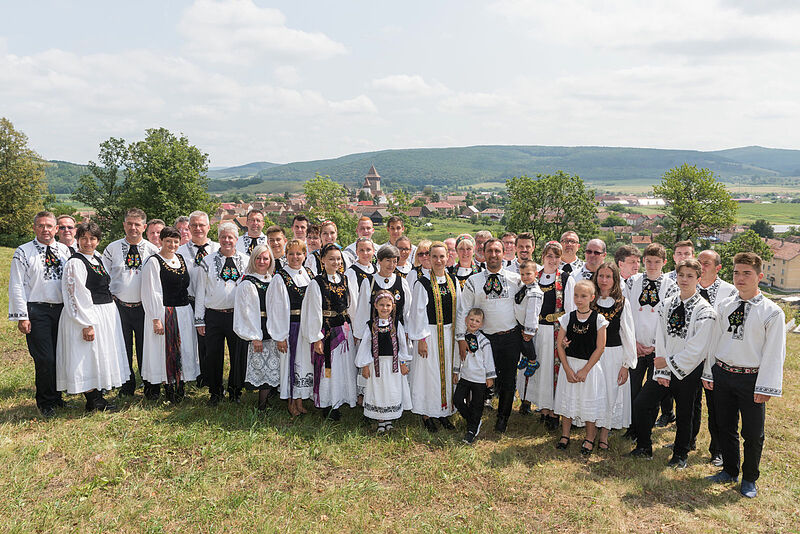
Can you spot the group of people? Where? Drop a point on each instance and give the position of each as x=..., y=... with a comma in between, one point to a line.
x=431, y=328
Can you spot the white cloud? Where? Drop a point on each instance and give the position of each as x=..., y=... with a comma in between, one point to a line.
x=409, y=85
x=287, y=75
x=238, y=32
x=358, y=105
x=478, y=101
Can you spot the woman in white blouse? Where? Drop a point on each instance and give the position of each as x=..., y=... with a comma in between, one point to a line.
x=284, y=301
x=170, y=343
x=250, y=324
x=90, y=354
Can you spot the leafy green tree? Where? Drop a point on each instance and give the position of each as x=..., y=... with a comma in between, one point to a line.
x=763, y=228
x=548, y=205
x=615, y=220
x=363, y=195
x=697, y=204
x=400, y=202
x=102, y=188
x=22, y=185
x=747, y=241
x=167, y=176
x=327, y=200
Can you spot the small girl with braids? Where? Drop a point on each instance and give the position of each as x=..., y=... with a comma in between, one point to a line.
x=383, y=358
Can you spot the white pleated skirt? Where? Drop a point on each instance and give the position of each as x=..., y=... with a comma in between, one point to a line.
x=154, y=359
x=540, y=385
x=387, y=396
x=340, y=387
x=582, y=401
x=86, y=365
x=425, y=379
x=618, y=398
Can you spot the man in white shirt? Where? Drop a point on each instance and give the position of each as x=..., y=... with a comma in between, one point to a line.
x=452, y=253
x=745, y=369
x=364, y=228
x=123, y=259
x=509, y=240
x=595, y=256
x=493, y=291
x=253, y=237
x=628, y=259
x=276, y=239
x=153, y=231
x=570, y=243
x=300, y=227
x=66, y=232
x=396, y=227
x=182, y=225
x=193, y=253
x=35, y=302
x=683, y=251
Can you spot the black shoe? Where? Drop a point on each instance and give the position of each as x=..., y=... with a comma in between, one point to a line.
x=102, y=405
x=335, y=415
x=198, y=382
x=677, y=463
x=716, y=460
x=430, y=425
x=446, y=424
x=563, y=443
x=124, y=392
x=169, y=392
x=214, y=400
x=151, y=393
x=48, y=412
x=665, y=419
x=552, y=422
x=586, y=451
x=235, y=395
x=501, y=425
x=525, y=408
x=61, y=403
x=469, y=437
x=639, y=452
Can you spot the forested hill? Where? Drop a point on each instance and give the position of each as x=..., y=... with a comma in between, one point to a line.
x=416, y=168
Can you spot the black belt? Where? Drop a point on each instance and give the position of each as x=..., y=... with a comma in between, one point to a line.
x=224, y=310
x=127, y=304
x=47, y=304
x=504, y=332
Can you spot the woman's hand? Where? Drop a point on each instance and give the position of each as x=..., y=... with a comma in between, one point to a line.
x=258, y=346
x=570, y=375
x=404, y=368
x=422, y=348
x=622, y=377
x=201, y=330
x=283, y=346
x=319, y=347
x=158, y=327
x=364, y=371
x=581, y=375
x=88, y=333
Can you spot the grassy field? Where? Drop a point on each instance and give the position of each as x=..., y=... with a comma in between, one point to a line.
x=156, y=468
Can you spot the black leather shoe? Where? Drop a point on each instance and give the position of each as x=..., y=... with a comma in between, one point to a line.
x=525, y=408
x=48, y=412
x=335, y=415
x=214, y=400
x=446, y=424
x=430, y=425
x=677, y=463
x=102, y=405
x=501, y=425
x=563, y=443
x=665, y=419
x=716, y=460
x=639, y=452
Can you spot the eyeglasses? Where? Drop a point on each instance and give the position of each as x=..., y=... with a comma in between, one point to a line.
x=595, y=252
x=569, y=242
x=66, y=227
x=423, y=253
x=406, y=249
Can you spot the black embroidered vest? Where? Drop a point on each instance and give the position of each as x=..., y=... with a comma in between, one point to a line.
x=397, y=292
x=582, y=336
x=613, y=315
x=447, y=301
x=97, y=280
x=335, y=298
x=174, y=282
x=295, y=293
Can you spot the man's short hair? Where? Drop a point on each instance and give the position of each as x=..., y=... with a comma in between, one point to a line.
x=151, y=222
x=524, y=264
x=655, y=249
x=490, y=241
x=749, y=258
x=685, y=243
x=136, y=213
x=185, y=219
x=197, y=214
x=395, y=219
x=626, y=251
x=299, y=217
x=508, y=234
x=42, y=215
x=524, y=236
x=65, y=216
x=714, y=254
x=689, y=263
x=313, y=229
x=275, y=229
x=251, y=212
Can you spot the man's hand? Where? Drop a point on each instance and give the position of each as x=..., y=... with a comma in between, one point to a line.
x=158, y=327
x=24, y=326
x=489, y=382
x=283, y=346
x=758, y=398
x=364, y=371
x=201, y=330
x=659, y=362
x=527, y=337
x=258, y=345
x=708, y=385
x=664, y=382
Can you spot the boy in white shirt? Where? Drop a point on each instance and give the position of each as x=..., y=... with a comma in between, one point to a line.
x=473, y=375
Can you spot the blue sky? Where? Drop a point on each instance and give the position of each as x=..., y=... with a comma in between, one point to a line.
x=247, y=80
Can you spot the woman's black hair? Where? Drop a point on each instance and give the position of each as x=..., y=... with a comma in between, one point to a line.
x=169, y=231
x=90, y=228
x=327, y=248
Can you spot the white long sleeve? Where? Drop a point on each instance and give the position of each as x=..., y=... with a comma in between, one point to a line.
x=78, y=304
x=278, y=308
x=152, y=292
x=30, y=281
x=530, y=312
x=247, y=312
x=418, y=327
x=628, y=336
x=684, y=354
x=364, y=354
x=311, y=313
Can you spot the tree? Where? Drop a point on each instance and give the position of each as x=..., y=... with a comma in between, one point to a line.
x=22, y=185
x=615, y=220
x=163, y=175
x=763, y=228
x=167, y=176
x=103, y=187
x=363, y=195
x=696, y=204
x=400, y=203
x=748, y=241
x=327, y=200
x=549, y=205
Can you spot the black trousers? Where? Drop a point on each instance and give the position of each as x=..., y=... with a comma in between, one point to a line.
x=644, y=371
x=219, y=332
x=132, y=319
x=645, y=410
x=42, y=347
x=201, y=350
x=468, y=400
x=506, y=350
x=713, y=429
x=733, y=395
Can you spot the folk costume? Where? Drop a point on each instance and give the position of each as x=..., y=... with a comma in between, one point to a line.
x=250, y=324
x=462, y=273
x=434, y=308
x=247, y=244
x=527, y=307
x=477, y=367
x=171, y=357
x=34, y=294
x=284, y=302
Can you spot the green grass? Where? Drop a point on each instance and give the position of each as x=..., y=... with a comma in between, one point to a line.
x=783, y=213
x=156, y=468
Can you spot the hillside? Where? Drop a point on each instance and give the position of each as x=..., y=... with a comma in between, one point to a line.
x=240, y=171
x=62, y=176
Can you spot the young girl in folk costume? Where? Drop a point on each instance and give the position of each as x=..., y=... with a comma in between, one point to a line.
x=466, y=265
x=620, y=351
x=284, y=301
x=432, y=327
x=250, y=324
x=383, y=357
x=527, y=306
x=385, y=278
x=422, y=263
x=170, y=342
x=581, y=388
x=90, y=354
x=325, y=323
x=557, y=288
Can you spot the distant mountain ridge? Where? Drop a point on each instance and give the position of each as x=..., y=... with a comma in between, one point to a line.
x=459, y=166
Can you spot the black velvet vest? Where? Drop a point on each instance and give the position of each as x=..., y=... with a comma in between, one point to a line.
x=582, y=336
x=97, y=280
x=174, y=282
